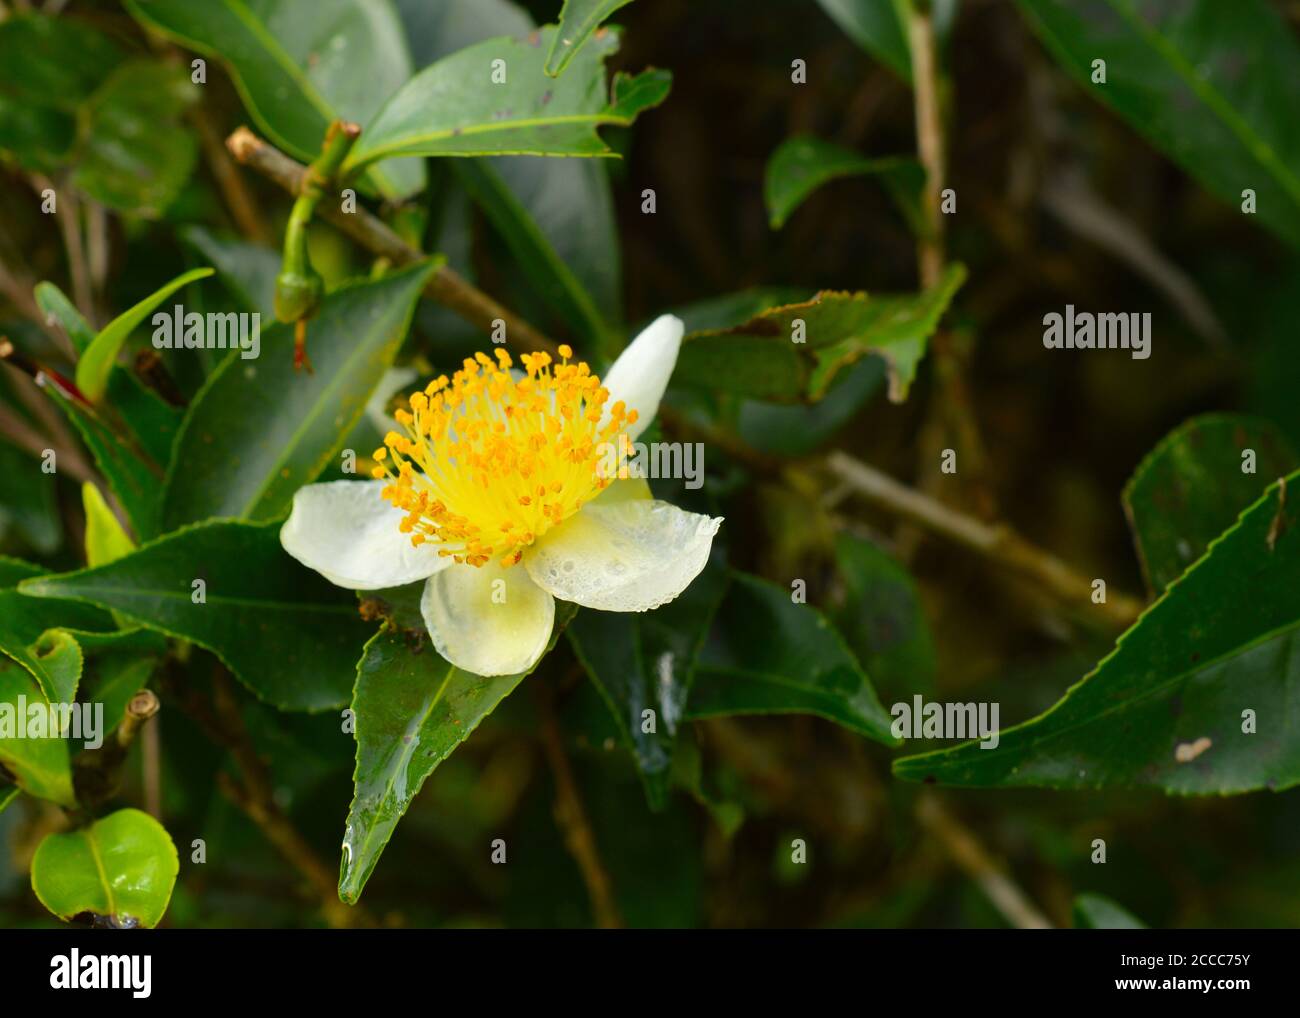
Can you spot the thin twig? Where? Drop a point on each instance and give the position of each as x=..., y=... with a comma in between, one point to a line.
x=952, y=411
x=446, y=287
x=23, y=435
x=967, y=852
x=572, y=817
x=997, y=542
x=98, y=774
x=236, y=194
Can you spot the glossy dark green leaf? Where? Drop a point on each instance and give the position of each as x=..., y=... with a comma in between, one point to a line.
x=792, y=429
x=557, y=219
x=1209, y=84
x=259, y=430
x=454, y=108
x=135, y=478
x=802, y=164
x=122, y=867
x=1167, y=708
x=296, y=74
x=1193, y=485
x=1097, y=912
x=246, y=270
x=286, y=633
x=763, y=358
x=153, y=423
x=39, y=766
x=27, y=500
x=646, y=662
x=578, y=20
x=770, y=655
x=882, y=618
x=135, y=153
x=97, y=361
x=59, y=310
x=412, y=709
x=556, y=216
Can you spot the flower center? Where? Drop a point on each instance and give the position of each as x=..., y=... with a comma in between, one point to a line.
x=489, y=464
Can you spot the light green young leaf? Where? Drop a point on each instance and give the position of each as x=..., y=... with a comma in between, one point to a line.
x=40, y=767
x=122, y=867
x=95, y=364
x=106, y=541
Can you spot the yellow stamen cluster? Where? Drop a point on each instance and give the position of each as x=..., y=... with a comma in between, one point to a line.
x=488, y=464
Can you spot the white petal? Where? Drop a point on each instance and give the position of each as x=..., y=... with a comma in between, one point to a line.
x=627, y=556
x=488, y=620
x=349, y=534
x=641, y=373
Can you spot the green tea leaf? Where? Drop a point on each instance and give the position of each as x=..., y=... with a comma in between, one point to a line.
x=1193, y=485
x=647, y=662
x=246, y=270
x=40, y=767
x=259, y=430
x=106, y=541
x=802, y=164
x=296, y=74
x=1198, y=697
x=540, y=205
x=454, y=108
x=8, y=795
x=287, y=634
x=95, y=364
x=578, y=19
x=771, y=655
x=882, y=618
x=1207, y=83
x=134, y=478
x=764, y=358
x=122, y=867
x=136, y=153
x=412, y=709
x=1097, y=912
